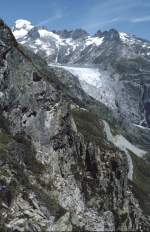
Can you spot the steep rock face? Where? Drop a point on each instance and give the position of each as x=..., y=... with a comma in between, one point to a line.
x=58, y=172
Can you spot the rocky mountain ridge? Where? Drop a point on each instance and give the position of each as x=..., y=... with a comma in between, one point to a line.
x=122, y=62
x=72, y=47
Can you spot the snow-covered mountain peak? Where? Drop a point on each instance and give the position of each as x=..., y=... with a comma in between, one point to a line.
x=21, y=28
x=78, y=46
x=22, y=23
x=131, y=39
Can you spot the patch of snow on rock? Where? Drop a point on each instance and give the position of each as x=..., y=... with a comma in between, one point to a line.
x=71, y=43
x=38, y=42
x=45, y=33
x=124, y=145
x=48, y=34
x=94, y=40
x=124, y=37
x=1, y=94
x=141, y=127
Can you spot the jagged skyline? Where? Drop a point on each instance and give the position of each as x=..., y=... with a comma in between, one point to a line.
x=128, y=16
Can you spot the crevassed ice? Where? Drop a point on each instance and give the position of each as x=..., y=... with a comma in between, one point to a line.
x=95, y=82
x=89, y=75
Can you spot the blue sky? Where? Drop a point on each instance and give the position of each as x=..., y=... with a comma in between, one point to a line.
x=125, y=15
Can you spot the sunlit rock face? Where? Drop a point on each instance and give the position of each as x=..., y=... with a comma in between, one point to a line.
x=58, y=170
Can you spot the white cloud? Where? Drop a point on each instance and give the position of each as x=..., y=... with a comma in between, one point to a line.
x=58, y=15
x=141, y=19
x=94, y=25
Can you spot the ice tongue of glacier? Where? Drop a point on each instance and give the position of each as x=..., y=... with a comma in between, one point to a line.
x=95, y=82
x=89, y=75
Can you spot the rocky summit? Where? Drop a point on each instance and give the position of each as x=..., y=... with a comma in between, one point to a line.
x=72, y=156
